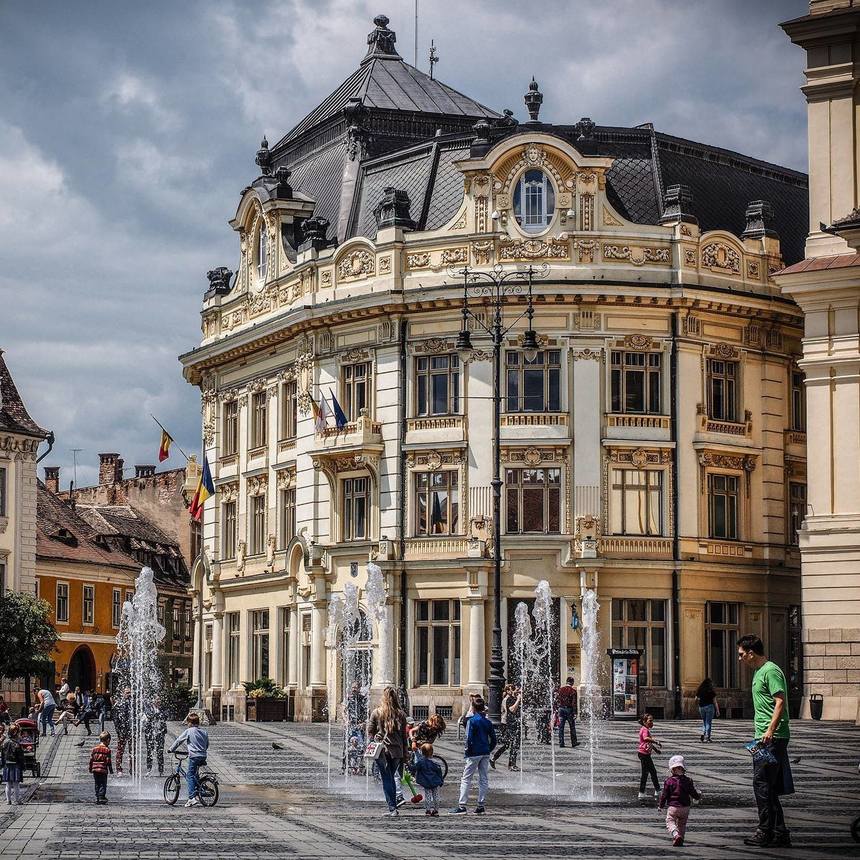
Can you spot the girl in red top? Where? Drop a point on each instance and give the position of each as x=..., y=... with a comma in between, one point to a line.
x=647, y=744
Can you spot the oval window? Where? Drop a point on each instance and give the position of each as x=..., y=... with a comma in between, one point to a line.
x=534, y=201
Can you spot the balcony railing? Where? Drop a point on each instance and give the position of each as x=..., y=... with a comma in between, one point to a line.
x=437, y=547
x=436, y=422
x=534, y=419
x=626, y=545
x=649, y=422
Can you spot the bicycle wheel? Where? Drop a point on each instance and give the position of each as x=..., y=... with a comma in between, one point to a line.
x=171, y=789
x=208, y=791
x=443, y=764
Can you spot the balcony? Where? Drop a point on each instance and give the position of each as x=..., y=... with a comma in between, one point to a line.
x=625, y=546
x=437, y=547
x=645, y=428
x=547, y=426
x=795, y=443
x=358, y=443
x=438, y=429
x=738, y=429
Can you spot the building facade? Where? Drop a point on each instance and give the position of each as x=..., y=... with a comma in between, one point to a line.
x=826, y=285
x=661, y=420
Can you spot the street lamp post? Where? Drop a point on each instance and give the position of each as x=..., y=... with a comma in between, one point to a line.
x=494, y=288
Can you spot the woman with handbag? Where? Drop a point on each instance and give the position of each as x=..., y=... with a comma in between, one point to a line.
x=706, y=696
x=387, y=725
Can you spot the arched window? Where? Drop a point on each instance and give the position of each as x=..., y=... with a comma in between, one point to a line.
x=534, y=201
x=261, y=251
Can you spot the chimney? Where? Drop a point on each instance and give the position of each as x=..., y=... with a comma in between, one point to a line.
x=144, y=471
x=52, y=479
x=109, y=464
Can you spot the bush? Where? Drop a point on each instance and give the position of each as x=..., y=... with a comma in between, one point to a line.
x=264, y=688
x=178, y=700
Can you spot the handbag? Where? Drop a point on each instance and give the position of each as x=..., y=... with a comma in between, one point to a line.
x=761, y=753
x=374, y=750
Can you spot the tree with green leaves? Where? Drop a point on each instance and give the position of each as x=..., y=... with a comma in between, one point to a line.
x=27, y=637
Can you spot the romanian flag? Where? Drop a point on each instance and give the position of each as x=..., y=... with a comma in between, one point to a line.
x=205, y=489
x=164, y=450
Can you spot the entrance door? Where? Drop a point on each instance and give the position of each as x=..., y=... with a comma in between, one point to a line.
x=82, y=669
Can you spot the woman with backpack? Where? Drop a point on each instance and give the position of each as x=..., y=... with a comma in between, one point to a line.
x=387, y=724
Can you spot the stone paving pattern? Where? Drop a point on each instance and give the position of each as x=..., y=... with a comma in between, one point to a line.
x=294, y=802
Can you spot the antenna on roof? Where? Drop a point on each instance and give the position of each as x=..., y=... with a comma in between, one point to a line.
x=75, y=452
x=415, y=61
x=433, y=57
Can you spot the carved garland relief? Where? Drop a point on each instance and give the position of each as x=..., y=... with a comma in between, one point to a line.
x=357, y=264
x=636, y=255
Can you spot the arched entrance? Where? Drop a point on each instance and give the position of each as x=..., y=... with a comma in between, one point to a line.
x=82, y=669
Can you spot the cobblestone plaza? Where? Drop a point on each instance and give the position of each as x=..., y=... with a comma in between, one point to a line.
x=276, y=803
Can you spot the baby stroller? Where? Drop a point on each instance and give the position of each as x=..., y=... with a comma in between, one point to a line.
x=28, y=737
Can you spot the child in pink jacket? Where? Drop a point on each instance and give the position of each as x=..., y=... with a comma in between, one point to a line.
x=677, y=792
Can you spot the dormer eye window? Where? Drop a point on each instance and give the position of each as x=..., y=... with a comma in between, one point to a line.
x=534, y=201
x=261, y=252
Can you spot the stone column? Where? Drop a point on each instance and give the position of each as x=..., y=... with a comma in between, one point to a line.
x=293, y=656
x=217, y=649
x=383, y=665
x=477, y=644
x=587, y=388
x=318, y=649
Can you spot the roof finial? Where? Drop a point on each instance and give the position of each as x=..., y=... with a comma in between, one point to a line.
x=380, y=43
x=533, y=99
x=433, y=57
x=264, y=157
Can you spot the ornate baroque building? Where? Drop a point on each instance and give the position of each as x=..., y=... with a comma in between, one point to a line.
x=661, y=421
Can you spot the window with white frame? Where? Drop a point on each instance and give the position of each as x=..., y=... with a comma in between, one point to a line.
x=723, y=389
x=89, y=604
x=437, y=503
x=231, y=428
x=233, y=642
x=533, y=501
x=636, y=379
x=721, y=635
x=796, y=510
x=160, y=611
x=355, y=508
x=286, y=516
x=262, y=250
x=637, y=502
x=533, y=385
x=259, y=419
x=289, y=411
x=357, y=389
x=437, y=385
x=284, y=614
x=62, y=609
x=798, y=402
x=260, y=643
x=534, y=201
x=437, y=643
x=257, y=516
x=642, y=624
x=723, y=506
x=116, y=609
x=228, y=529
x=3, y=491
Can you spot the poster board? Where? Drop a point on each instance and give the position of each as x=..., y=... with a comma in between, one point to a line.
x=625, y=683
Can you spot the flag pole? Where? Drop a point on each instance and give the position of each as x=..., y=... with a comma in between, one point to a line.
x=165, y=430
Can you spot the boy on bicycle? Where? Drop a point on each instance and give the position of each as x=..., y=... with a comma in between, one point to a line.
x=197, y=743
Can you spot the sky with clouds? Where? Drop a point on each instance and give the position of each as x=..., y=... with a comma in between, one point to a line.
x=128, y=130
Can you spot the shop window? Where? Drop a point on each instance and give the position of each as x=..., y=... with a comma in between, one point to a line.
x=642, y=624
x=721, y=636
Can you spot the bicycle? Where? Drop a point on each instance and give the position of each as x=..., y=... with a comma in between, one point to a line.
x=207, y=784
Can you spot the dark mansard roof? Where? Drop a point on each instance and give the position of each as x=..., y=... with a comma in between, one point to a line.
x=14, y=417
x=412, y=129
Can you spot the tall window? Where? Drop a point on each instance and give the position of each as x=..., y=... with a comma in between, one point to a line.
x=289, y=410
x=637, y=502
x=534, y=201
x=533, y=386
x=723, y=506
x=642, y=624
x=286, y=516
x=356, y=501
x=437, y=380
x=3, y=473
x=186, y=619
x=261, y=251
x=176, y=618
x=159, y=612
x=259, y=419
x=284, y=614
x=357, y=381
x=228, y=525
x=721, y=632
x=231, y=427
x=798, y=403
x=89, y=604
x=436, y=503
x=260, y=636
x=533, y=501
x=636, y=382
x=62, y=601
x=437, y=628
x=723, y=390
x=257, y=508
x=796, y=510
x=233, y=631
x=116, y=608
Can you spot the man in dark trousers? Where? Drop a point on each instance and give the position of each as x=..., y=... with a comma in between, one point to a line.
x=771, y=778
x=567, y=709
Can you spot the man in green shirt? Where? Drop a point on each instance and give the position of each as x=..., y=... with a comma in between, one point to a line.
x=770, y=780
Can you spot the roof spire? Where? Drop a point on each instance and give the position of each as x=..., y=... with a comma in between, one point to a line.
x=380, y=43
x=533, y=99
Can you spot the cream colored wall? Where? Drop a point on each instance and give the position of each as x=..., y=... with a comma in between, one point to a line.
x=18, y=528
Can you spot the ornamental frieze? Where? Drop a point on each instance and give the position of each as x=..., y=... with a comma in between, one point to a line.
x=719, y=255
x=639, y=458
x=257, y=485
x=585, y=248
x=455, y=255
x=587, y=354
x=286, y=479
x=418, y=261
x=533, y=249
x=358, y=264
x=433, y=460
x=228, y=492
x=434, y=346
x=385, y=265
x=483, y=251
x=717, y=460
x=636, y=255
x=354, y=356
x=724, y=351
x=532, y=456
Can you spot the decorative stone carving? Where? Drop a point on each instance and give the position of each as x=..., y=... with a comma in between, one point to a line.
x=641, y=457
x=481, y=208
x=753, y=269
x=357, y=264
x=271, y=543
x=741, y=462
x=229, y=492
x=455, y=255
x=586, y=248
x=586, y=211
x=433, y=460
x=434, y=346
x=385, y=265
x=533, y=249
x=587, y=354
x=724, y=351
x=354, y=356
x=241, y=548
x=257, y=485
x=393, y=209
x=479, y=355
x=286, y=478
x=719, y=255
x=691, y=325
x=233, y=319
x=689, y=256
x=609, y=220
x=219, y=280
x=482, y=251
x=460, y=223
x=418, y=261
x=638, y=341
x=636, y=255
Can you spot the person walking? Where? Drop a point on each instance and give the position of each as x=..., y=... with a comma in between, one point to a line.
x=100, y=709
x=122, y=723
x=428, y=774
x=706, y=696
x=100, y=766
x=387, y=724
x=197, y=744
x=771, y=773
x=64, y=689
x=12, y=764
x=677, y=792
x=68, y=711
x=567, y=711
x=480, y=742
x=47, y=706
x=512, y=703
x=647, y=745
x=154, y=733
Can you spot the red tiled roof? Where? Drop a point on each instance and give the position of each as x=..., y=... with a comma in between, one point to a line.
x=814, y=264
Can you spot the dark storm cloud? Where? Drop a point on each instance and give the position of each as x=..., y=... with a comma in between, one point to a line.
x=127, y=131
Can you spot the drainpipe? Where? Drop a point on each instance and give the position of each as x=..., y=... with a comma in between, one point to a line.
x=401, y=513
x=676, y=603
x=50, y=440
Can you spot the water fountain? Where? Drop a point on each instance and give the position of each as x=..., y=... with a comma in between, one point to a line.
x=520, y=658
x=592, y=698
x=542, y=656
x=137, y=645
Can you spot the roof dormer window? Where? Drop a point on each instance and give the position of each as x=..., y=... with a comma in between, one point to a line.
x=534, y=201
